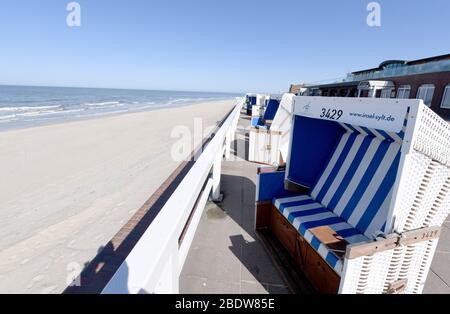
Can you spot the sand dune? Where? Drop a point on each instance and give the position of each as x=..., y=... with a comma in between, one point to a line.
x=66, y=189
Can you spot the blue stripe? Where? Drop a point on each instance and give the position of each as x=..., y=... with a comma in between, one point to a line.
x=350, y=173
x=402, y=135
x=315, y=243
x=368, y=131
x=379, y=196
x=332, y=259
x=318, y=223
x=365, y=181
x=304, y=213
x=386, y=135
x=352, y=128
x=347, y=233
x=384, y=227
x=283, y=206
x=337, y=167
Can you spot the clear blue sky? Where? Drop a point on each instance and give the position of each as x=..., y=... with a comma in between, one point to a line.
x=211, y=45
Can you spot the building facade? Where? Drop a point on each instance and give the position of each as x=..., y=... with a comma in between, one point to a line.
x=427, y=79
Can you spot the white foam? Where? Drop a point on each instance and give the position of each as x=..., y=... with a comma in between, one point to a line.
x=27, y=108
x=104, y=104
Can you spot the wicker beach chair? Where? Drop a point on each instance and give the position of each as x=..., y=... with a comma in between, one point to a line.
x=364, y=195
x=272, y=103
x=269, y=137
x=259, y=108
x=250, y=101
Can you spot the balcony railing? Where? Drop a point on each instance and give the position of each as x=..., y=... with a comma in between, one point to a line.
x=431, y=67
x=155, y=263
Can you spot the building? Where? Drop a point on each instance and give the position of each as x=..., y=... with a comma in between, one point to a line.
x=428, y=79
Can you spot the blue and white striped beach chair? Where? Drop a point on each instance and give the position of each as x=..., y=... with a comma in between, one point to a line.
x=269, y=136
x=250, y=101
x=366, y=188
x=258, y=109
x=270, y=110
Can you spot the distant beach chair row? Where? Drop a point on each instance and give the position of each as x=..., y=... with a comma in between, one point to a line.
x=255, y=104
x=360, y=190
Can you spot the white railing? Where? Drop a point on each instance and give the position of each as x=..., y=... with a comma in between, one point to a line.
x=155, y=263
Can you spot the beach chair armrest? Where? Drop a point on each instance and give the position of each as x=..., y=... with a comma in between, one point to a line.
x=270, y=184
x=392, y=241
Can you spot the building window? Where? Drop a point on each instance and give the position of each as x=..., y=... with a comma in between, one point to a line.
x=404, y=91
x=386, y=93
x=426, y=93
x=446, y=98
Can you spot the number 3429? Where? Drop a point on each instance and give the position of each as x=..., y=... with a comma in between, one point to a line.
x=331, y=114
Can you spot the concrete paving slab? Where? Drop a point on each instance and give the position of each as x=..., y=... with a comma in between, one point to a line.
x=213, y=263
x=258, y=265
x=197, y=285
x=444, y=241
x=447, y=224
x=441, y=267
x=435, y=285
x=253, y=287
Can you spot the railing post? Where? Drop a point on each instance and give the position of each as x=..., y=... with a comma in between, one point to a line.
x=216, y=196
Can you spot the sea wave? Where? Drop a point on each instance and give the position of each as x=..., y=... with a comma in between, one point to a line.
x=103, y=104
x=19, y=111
x=28, y=108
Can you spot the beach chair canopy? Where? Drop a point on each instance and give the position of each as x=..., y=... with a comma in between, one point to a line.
x=250, y=100
x=348, y=162
x=272, y=104
x=282, y=123
x=350, y=171
x=271, y=108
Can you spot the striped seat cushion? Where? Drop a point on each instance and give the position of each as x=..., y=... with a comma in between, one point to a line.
x=353, y=193
x=304, y=214
x=358, y=181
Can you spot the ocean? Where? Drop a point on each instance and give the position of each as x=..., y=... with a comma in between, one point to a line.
x=23, y=106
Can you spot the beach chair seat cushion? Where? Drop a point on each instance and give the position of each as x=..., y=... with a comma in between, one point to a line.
x=262, y=127
x=358, y=181
x=256, y=121
x=305, y=214
x=271, y=109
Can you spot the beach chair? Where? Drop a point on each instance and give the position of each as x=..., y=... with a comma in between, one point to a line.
x=269, y=137
x=250, y=101
x=366, y=190
x=272, y=103
x=259, y=108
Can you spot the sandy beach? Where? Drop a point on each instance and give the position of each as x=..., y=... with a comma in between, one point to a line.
x=66, y=189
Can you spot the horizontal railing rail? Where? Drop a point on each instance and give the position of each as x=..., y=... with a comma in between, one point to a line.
x=155, y=262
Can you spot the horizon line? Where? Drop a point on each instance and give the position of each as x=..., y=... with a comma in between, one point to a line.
x=120, y=88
